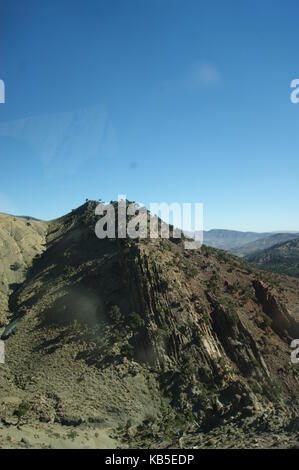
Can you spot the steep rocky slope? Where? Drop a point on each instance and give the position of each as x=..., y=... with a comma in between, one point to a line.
x=281, y=258
x=149, y=344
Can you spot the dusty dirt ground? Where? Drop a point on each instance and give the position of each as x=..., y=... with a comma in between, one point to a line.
x=55, y=436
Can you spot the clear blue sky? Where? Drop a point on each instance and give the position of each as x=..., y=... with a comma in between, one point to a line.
x=161, y=100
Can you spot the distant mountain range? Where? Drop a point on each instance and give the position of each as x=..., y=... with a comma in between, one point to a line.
x=244, y=243
x=278, y=252
x=230, y=239
x=281, y=258
x=263, y=244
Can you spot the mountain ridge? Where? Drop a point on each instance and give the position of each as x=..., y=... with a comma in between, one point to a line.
x=150, y=342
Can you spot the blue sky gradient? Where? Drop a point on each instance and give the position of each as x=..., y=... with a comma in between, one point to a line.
x=161, y=100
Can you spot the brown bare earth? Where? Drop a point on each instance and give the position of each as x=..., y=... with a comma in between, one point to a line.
x=124, y=343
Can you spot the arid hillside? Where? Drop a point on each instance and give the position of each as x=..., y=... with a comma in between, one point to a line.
x=21, y=240
x=142, y=343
